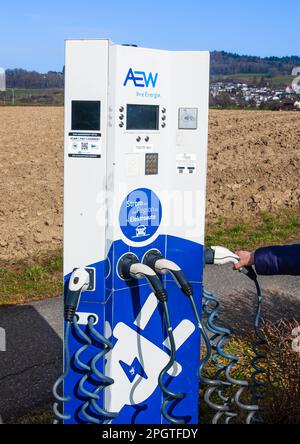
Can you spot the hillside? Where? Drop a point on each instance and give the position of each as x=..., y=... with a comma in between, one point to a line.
x=222, y=63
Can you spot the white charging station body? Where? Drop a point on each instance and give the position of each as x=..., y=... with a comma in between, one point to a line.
x=136, y=128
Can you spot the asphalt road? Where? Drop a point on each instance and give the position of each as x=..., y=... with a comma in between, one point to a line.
x=238, y=296
x=33, y=359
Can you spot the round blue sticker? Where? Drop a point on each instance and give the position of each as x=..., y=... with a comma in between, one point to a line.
x=140, y=215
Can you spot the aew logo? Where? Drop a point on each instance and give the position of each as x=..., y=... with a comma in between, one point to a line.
x=140, y=79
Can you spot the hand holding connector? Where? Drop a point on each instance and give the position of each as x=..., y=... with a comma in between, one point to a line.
x=221, y=256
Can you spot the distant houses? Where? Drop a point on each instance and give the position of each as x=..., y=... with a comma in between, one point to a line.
x=297, y=104
x=225, y=94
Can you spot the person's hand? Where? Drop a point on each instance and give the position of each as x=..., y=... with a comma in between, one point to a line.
x=246, y=259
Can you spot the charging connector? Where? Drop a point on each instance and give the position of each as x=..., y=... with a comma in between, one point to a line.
x=130, y=268
x=79, y=282
x=163, y=266
x=157, y=262
x=222, y=256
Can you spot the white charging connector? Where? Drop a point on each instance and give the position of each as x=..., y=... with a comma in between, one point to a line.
x=79, y=280
x=224, y=256
x=140, y=271
x=164, y=266
x=221, y=256
x=130, y=268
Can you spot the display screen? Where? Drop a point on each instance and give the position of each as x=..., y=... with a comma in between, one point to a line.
x=142, y=117
x=86, y=115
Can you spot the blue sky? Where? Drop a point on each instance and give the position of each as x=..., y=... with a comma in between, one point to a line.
x=32, y=32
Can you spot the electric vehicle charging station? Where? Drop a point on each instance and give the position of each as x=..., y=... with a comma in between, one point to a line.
x=136, y=127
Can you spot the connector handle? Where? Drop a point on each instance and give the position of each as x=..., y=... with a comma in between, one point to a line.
x=163, y=266
x=209, y=256
x=139, y=271
x=78, y=283
x=224, y=256
x=130, y=268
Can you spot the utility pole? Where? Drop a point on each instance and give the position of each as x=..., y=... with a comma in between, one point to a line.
x=2, y=82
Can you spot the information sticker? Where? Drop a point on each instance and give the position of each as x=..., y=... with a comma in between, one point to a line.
x=186, y=163
x=87, y=145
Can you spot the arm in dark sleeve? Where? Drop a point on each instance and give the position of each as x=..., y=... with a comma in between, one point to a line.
x=278, y=260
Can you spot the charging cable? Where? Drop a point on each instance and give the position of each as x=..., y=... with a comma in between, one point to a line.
x=164, y=266
x=220, y=256
x=130, y=268
x=79, y=282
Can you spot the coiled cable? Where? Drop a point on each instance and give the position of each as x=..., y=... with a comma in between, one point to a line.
x=169, y=396
x=62, y=399
x=105, y=381
x=87, y=342
x=255, y=386
x=203, y=362
x=220, y=335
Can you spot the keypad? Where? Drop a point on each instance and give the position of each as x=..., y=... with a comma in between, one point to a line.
x=151, y=164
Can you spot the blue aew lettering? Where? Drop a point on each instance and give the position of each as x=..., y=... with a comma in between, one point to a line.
x=141, y=79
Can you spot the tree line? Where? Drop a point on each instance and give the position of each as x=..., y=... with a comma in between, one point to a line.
x=225, y=63
x=222, y=63
x=20, y=78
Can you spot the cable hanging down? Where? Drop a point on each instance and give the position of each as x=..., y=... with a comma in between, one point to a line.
x=62, y=399
x=220, y=336
x=131, y=268
x=220, y=256
x=169, y=396
x=163, y=266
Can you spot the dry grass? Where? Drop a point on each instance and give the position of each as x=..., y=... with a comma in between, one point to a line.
x=281, y=403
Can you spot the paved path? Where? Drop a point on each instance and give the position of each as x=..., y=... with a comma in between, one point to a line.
x=33, y=358
x=237, y=292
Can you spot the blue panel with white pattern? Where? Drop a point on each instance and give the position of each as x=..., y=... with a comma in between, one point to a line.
x=139, y=347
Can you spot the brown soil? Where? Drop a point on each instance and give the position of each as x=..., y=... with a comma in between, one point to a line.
x=253, y=166
x=254, y=163
x=31, y=181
